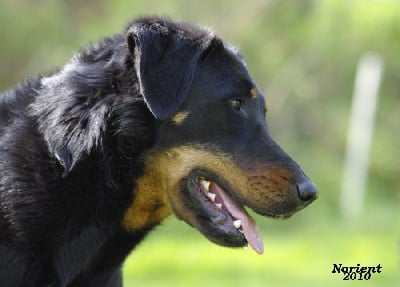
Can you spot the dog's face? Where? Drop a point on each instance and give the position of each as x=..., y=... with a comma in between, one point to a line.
x=214, y=155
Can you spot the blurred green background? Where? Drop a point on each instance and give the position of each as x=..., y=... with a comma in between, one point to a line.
x=303, y=55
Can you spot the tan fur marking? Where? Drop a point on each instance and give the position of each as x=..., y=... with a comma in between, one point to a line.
x=161, y=183
x=180, y=117
x=254, y=93
x=150, y=205
x=158, y=191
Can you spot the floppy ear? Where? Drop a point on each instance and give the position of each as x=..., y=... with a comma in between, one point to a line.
x=165, y=62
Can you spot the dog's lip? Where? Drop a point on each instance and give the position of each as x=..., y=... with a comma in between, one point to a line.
x=226, y=214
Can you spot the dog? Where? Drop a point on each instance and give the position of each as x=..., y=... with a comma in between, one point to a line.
x=160, y=119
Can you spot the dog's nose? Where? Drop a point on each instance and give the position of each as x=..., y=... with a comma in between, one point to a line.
x=307, y=191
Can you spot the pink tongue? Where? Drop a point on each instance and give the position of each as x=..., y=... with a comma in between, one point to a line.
x=249, y=225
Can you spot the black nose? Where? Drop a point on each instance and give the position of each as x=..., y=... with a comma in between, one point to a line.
x=307, y=191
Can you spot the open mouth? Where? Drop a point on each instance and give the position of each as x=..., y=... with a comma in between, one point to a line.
x=223, y=220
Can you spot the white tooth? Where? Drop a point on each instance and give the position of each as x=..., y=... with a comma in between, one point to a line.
x=237, y=223
x=206, y=184
x=218, y=205
x=211, y=196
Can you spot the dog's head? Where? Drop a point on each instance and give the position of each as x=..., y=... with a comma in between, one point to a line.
x=213, y=153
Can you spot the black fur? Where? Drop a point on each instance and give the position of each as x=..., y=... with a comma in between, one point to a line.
x=72, y=146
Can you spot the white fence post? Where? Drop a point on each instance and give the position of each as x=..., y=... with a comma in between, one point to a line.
x=355, y=172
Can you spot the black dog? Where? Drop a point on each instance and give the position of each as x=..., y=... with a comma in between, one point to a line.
x=162, y=118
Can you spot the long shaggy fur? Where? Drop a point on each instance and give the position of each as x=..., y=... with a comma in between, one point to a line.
x=70, y=151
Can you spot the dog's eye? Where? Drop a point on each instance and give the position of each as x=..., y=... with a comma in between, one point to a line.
x=236, y=104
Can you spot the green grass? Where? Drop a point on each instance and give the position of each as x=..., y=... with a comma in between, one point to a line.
x=298, y=252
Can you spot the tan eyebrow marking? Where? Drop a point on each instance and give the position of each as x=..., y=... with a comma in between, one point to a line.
x=180, y=117
x=254, y=93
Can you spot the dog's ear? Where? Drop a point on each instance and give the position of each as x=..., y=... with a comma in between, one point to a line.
x=165, y=60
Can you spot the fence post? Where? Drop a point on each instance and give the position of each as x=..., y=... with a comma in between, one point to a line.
x=362, y=117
